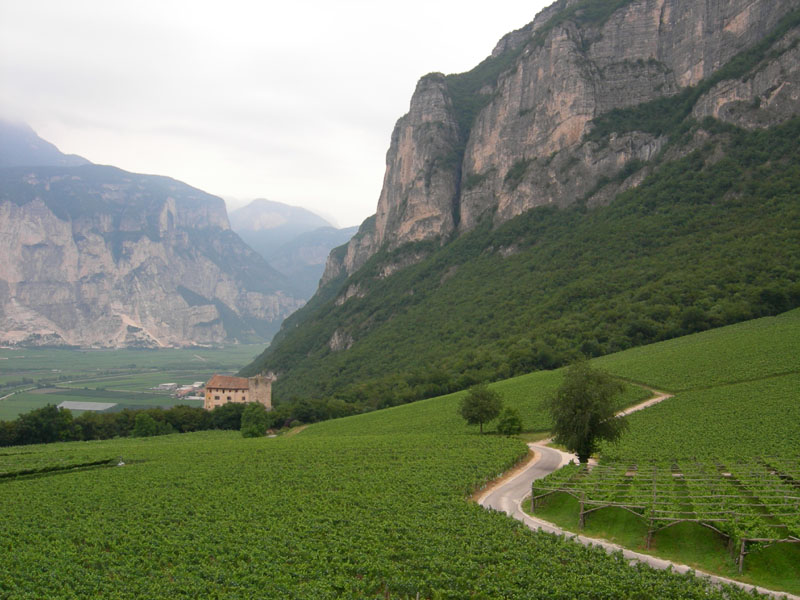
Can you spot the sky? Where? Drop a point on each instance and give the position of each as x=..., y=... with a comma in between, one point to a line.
x=290, y=101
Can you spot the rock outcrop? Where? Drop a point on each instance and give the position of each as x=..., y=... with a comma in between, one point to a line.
x=96, y=256
x=515, y=133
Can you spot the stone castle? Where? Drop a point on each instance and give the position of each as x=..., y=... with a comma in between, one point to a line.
x=222, y=389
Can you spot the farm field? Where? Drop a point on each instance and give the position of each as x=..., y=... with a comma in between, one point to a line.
x=100, y=375
x=370, y=506
x=752, y=350
x=526, y=393
x=316, y=515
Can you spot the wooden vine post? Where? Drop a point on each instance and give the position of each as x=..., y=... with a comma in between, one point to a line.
x=650, y=529
x=582, y=518
x=741, y=555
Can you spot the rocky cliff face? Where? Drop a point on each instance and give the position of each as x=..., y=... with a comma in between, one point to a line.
x=95, y=256
x=515, y=133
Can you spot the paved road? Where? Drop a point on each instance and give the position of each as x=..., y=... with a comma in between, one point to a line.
x=508, y=497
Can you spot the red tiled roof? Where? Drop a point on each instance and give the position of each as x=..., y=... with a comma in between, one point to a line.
x=225, y=382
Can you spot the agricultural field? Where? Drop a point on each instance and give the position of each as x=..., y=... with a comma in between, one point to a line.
x=315, y=515
x=32, y=378
x=737, y=400
x=526, y=393
x=748, y=351
x=370, y=506
x=746, y=502
x=741, y=420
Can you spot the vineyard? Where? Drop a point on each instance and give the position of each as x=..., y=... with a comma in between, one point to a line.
x=749, y=351
x=211, y=514
x=752, y=504
x=726, y=422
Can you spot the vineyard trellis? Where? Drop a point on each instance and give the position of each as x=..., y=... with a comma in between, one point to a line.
x=752, y=504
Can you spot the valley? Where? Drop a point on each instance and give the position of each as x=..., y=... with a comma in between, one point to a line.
x=335, y=510
x=31, y=378
x=591, y=235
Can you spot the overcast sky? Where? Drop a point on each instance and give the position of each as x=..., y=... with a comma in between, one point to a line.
x=294, y=101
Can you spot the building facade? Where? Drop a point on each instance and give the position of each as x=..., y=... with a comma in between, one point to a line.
x=222, y=389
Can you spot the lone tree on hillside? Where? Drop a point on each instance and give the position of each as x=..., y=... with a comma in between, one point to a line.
x=480, y=405
x=582, y=410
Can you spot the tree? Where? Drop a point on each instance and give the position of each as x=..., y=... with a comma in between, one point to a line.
x=255, y=420
x=227, y=416
x=44, y=425
x=510, y=422
x=146, y=426
x=187, y=418
x=480, y=405
x=582, y=410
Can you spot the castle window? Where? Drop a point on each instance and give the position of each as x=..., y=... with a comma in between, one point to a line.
x=216, y=397
x=229, y=398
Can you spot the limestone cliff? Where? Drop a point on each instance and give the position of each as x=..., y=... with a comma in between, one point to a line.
x=96, y=256
x=516, y=132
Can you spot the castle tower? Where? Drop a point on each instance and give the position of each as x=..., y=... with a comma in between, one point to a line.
x=261, y=389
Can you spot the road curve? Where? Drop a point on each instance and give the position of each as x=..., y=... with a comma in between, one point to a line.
x=508, y=494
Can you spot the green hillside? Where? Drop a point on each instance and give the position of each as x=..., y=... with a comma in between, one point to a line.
x=736, y=393
x=370, y=506
x=704, y=241
x=732, y=431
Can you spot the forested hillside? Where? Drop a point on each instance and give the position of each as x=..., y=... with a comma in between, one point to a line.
x=705, y=240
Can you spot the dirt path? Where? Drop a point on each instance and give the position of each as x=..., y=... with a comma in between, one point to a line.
x=660, y=396
x=508, y=493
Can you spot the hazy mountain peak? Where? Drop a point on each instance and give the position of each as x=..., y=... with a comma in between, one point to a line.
x=263, y=214
x=20, y=146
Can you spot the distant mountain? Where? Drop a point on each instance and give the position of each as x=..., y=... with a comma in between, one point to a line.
x=97, y=256
x=303, y=258
x=267, y=225
x=293, y=240
x=21, y=147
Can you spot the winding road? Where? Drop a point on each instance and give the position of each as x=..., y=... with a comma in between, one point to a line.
x=508, y=493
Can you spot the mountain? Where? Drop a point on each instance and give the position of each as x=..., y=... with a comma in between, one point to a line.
x=97, y=256
x=302, y=259
x=615, y=173
x=293, y=240
x=267, y=225
x=20, y=146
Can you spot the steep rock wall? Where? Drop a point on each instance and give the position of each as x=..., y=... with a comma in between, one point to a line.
x=99, y=257
x=528, y=145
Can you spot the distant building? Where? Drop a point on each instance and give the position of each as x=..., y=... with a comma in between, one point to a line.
x=222, y=389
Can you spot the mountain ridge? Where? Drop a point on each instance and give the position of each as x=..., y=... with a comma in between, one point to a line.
x=513, y=133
